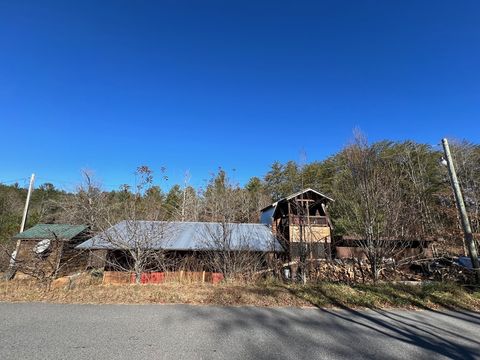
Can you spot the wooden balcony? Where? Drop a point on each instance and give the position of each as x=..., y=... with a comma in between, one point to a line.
x=309, y=220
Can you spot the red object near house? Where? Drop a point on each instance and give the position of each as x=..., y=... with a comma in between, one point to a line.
x=153, y=278
x=150, y=278
x=216, y=278
x=161, y=277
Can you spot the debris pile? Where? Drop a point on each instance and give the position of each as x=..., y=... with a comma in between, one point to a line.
x=355, y=271
x=442, y=269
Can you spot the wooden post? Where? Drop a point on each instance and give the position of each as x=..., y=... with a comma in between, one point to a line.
x=203, y=276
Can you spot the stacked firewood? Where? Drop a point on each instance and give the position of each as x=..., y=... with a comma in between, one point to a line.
x=339, y=271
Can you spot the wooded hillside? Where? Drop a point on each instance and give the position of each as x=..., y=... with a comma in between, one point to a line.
x=395, y=189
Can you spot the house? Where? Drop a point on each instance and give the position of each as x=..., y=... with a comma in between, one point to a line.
x=301, y=220
x=177, y=242
x=48, y=250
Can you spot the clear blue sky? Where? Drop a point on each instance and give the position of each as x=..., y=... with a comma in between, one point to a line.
x=239, y=84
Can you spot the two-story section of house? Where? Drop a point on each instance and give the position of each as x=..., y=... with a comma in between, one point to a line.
x=301, y=221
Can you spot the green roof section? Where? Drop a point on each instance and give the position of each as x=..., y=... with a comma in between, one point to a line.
x=52, y=231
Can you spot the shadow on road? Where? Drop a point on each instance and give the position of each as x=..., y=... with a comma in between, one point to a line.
x=345, y=332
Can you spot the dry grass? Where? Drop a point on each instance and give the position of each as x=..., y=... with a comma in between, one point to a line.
x=389, y=295
x=96, y=293
x=89, y=290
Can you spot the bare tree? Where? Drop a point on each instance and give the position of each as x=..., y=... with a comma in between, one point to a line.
x=232, y=247
x=190, y=204
x=135, y=233
x=137, y=246
x=467, y=160
x=420, y=170
x=369, y=194
x=88, y=206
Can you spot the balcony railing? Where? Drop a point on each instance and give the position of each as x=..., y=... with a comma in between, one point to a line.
x=309, y=220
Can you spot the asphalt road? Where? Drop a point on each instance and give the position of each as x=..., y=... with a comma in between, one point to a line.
x=49, y=331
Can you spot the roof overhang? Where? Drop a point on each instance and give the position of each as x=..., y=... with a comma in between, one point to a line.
x=292, y=196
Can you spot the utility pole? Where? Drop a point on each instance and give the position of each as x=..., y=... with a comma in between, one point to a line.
x=467, y=230
x=9, y=275
x=27, y=203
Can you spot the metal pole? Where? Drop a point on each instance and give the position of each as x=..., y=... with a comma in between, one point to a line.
x=467, y=230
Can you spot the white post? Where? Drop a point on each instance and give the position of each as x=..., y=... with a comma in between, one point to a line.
x=27, y=203
x=9, y=275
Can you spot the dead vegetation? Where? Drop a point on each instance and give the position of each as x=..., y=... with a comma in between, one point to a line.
x=356, y=271
x=88, y=289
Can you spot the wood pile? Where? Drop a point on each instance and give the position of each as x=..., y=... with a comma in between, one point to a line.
x=338, y=271
x=349, y=271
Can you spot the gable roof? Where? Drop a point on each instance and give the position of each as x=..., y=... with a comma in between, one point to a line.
x=307, y=190
x=52, y=231
x=294, y=195
x=184, y=236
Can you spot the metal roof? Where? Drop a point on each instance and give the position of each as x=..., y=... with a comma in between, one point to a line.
x=307, y=190
x=184, y=236
x=289, y=197
x=52, y=231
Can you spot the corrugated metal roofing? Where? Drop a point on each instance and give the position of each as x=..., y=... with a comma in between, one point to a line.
x=183, y=236
x=50, y=231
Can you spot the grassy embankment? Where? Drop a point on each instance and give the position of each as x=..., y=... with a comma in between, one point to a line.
x=387, y=295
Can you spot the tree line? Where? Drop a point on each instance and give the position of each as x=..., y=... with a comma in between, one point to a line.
x=382, y=190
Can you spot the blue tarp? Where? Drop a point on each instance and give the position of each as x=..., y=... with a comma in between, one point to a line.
x=465, y=261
